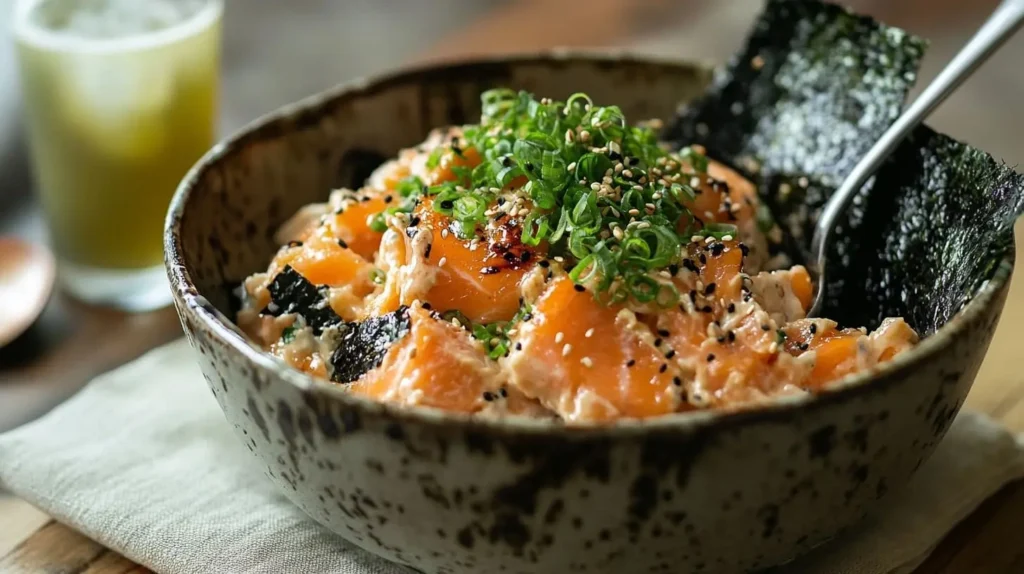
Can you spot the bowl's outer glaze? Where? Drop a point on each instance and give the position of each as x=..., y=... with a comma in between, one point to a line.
x=707, y=493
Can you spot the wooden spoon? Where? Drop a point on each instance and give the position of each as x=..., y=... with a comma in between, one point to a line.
x=27, y=275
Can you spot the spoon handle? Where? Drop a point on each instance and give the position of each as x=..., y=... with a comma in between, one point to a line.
x=1006, y=19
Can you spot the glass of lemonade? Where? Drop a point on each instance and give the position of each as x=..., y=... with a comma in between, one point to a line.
x=120, y=99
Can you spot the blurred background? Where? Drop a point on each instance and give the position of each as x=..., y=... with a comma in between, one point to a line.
x=275, y=52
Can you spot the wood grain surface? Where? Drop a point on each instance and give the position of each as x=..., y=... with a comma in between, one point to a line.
x=73, y=343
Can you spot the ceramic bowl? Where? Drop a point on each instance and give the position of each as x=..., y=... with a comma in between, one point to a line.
x=444, y=493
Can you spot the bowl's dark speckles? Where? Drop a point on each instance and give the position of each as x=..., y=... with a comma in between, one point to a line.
x=443, y=494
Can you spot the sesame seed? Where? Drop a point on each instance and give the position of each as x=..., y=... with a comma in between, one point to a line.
x=559, y=337
x=589, y=333
x=444, y=233
x=488, y=396
x=773, y=348
x=711, y=357
x=519, y=346
x=731, y=308
x=579, y=288
x=663, y=368
x=670, y=354
x=634, y=212
x=566, y=350
x=587, y=362
x=630, y=363
x=813, y=328
x=727, y=238
x=442, y=261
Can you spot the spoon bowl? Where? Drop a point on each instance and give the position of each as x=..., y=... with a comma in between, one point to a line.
x=27, y=274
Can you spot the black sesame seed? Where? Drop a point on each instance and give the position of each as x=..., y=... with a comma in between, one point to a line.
x=663, y=368
x=813, y=328
x=519, y=346
x=717, y=249
x=544, y=263
x=365, y=198
x=614, y=155
x=720, y=340
x=803, y=346
x=673, y=269
x=732, y=336
x=579, y=288
x=506, y=162
x=447, y=204
x=657, y=342
x=664, y=332
x=677, y=381
x=711, y=357
x=630, y=363
x=765, y=328
x=488, y=396
x=703, y=259
x=731, y=308
x=501, y=201
x=525, y=256
x=427, y=306
x=707, y=309
x=709, y=288
x=670, y=354
x=414, y=221
x=504, y=392
x=426, y=252
x=388, y=199
x=509, y=256
x=689, y=264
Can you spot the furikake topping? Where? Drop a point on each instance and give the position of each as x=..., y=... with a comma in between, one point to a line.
x=601, y=193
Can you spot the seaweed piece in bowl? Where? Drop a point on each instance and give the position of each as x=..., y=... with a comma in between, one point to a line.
x=808, y=96
x=934, y=225
x=814, y=87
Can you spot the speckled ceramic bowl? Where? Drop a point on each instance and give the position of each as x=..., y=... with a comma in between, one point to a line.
x=443, y=493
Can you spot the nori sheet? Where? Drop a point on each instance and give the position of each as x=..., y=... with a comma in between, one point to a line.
x=362, y=345
x=924, y=236
x=795, y=110
x=290, y=292
x=808, y=96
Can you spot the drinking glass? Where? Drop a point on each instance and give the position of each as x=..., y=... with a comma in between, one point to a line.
x=120, y=99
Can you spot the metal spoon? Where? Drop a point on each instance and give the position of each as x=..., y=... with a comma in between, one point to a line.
x=27, y=274
x=1002, y=24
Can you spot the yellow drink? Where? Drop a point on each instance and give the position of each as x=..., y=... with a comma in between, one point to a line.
x=121, y=100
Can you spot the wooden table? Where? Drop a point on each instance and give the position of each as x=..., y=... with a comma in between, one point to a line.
x=73, y=343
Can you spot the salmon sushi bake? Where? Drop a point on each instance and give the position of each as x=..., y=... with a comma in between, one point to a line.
x=554, y=260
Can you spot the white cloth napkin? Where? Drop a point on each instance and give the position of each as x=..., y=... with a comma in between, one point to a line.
x=143, y=461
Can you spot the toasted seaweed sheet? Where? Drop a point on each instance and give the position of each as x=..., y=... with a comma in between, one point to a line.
x=362, y=345
x=290, y=292
x=924, y=236
x=813, y=89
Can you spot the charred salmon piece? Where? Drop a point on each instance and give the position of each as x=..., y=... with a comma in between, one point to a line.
x=590, y=362
x=436, y=364
x=480, y=278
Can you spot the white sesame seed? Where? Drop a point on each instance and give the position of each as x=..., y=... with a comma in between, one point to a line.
x=643, y=225
x=634, y=211
x=566, y=350
x=559, y=336
x=589, y=333
x=584, y=136
x=617, y=232
x=595, y=186
x=773, y=348
x=587, y=362
x=559, y=259
x=442, y=261
x=627, y=173
x=709, y=240
x=696, y=239
x=571, y=166
x=727, y=238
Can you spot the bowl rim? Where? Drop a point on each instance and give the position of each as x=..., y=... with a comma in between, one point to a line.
x=778, y=409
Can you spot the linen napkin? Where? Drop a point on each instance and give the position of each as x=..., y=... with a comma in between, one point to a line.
x=143, y=461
